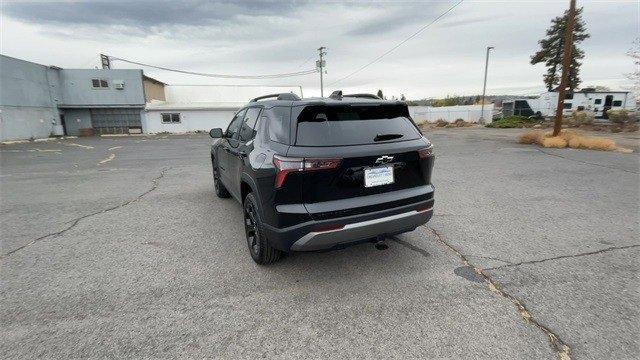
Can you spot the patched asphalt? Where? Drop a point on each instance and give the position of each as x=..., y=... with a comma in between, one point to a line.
x=117, y=247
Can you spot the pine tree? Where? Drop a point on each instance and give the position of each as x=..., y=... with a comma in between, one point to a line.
x=402, y=98
x=380, y=95
x=551, y=47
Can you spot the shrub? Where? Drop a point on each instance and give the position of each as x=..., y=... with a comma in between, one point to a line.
x=441, y=123
x=512, y=122
x=579, y=118
x=554, y=142
x=618, y=116
x=567, y=138
x=531, y=137
x=631, y=127
x=591, y=143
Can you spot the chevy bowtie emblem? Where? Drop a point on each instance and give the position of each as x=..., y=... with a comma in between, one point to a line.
x=384, y=160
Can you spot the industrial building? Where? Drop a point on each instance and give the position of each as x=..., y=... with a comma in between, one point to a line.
x=38, y=101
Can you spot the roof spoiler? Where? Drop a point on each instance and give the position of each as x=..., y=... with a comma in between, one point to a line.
x=337, y=95
x=281, y=96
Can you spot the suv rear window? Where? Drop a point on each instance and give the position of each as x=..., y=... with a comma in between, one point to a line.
x=322, y=125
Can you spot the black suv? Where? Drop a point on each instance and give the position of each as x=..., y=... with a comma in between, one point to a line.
x=323, y=173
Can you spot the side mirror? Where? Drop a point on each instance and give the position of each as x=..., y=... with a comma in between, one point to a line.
x=215, y=133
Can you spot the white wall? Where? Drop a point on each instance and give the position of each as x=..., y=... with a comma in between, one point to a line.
x=190, y=120
x=469, y=113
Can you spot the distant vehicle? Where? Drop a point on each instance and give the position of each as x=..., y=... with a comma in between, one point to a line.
x=323, y=173
x=586, y=99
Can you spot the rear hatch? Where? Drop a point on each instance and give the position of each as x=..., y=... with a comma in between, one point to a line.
x=378, y=142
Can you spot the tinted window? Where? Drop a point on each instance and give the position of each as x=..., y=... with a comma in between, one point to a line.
x=354, y=125
x=279, y=123
x=234, y=126
x=246, y=131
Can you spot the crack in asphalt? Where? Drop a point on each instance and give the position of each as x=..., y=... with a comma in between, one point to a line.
x=560, y=347
x=490, y=258
x=155, y=181
x=564, y=257
x=586, y=162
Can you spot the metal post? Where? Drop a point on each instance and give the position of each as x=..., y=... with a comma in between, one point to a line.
x=566, y=63
x=320, y=65
x=484, y=87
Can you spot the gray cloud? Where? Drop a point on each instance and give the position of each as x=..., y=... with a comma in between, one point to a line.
x=141, y=14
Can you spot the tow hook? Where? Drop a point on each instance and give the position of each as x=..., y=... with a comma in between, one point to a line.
x=381, y=244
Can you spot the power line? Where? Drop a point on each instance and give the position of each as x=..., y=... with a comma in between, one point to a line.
x=399, y=44
x=223, y=76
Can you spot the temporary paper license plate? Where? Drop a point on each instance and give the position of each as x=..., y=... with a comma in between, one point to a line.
x=376, y=176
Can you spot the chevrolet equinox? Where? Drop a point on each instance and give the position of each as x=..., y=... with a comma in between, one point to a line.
x=323, y=173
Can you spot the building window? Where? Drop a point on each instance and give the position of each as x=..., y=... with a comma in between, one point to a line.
x=617, y=103
x=170, y=118
x=99, y=83
x=580, y=108
x=567, y=105
x=568, y=95
x=598, y=101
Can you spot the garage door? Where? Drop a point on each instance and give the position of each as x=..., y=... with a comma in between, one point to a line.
x=116, y=121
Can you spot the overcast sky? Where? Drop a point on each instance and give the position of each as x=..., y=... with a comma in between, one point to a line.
x=274, y=37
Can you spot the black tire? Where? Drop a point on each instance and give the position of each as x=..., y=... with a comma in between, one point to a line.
x=218, y=186
x=259, y=249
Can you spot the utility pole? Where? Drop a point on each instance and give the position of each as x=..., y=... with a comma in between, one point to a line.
x=566, y=63
x=320, y=64
x=106, y=63
x=484, y=87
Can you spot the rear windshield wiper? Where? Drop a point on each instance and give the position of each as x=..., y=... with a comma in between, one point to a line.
x=384, y=137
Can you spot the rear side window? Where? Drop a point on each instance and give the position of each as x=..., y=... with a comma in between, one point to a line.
x=247, y=131
x=279, y=123
x=322, y=125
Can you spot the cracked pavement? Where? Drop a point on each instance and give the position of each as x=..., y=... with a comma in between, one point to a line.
x=135, y=257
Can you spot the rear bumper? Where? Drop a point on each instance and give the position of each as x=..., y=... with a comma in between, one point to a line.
x=393, y=224
x=311, y=236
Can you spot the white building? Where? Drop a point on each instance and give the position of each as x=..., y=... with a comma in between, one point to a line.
x=191, y=108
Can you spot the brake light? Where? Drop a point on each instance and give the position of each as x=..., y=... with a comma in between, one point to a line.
x=426, y=152
x=285, y=165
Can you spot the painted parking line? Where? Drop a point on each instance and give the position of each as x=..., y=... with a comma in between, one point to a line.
x=109, y=158
x=78, y=145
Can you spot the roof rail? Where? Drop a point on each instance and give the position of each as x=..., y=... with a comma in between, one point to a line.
x=366, y=96
x=281, y=96
x=337, y=95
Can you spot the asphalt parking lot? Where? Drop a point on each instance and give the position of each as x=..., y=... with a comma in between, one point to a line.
x=117, y=247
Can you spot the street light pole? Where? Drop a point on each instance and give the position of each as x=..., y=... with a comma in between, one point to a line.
x=320, y=65
x=484, y=87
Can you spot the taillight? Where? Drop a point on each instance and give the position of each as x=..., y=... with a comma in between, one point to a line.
x=285, y=165
x=426, y=152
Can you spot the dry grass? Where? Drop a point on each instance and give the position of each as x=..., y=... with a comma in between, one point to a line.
x=567, y=139
x=554, y=142
x=530, y=137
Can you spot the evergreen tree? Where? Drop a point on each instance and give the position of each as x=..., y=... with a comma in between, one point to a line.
x=551, y=49
x=380, y=95
x=403, y=98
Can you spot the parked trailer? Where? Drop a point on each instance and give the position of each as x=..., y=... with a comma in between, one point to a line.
x=597, y=102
